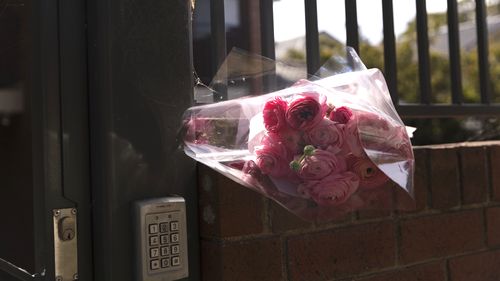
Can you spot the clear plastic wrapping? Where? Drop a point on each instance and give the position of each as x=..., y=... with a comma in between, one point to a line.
x=321, y=147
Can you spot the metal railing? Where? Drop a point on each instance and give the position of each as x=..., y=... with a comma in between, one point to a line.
x=424, y=108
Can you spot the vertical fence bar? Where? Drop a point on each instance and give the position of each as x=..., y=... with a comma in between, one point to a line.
x=351, y=24
x=454, y=45
x=267, y=28
x=218, y=29
x=423, y=53
x=390, y=67
x=482, y=51
x=218, y=32
x=267, y=41
x=312, y=36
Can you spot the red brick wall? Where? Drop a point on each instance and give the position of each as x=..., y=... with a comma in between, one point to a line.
x=453, y=235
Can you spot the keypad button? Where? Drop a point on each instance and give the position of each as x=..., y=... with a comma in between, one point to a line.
x=165, y=251
x=175, y=249
x=155, y=264
x=176, y=261
x=174, y=226
x=154, y=253
x=153, y=228
x=174, y=237
x=164, y=227
x=153, y=241
x=165, y=262
x=164, y=239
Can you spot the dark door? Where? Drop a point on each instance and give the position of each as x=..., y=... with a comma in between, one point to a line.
x=43, y=134
x=91, y=93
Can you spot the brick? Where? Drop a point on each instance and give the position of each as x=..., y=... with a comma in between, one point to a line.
x=425, y=272
x=341, y=253
x=493, y=226
x=444, y=178
x=282, y=220
x=421, y=178
x=374, y=214
x=226, y=208
x=481, y=267
x=441, y=235
x=494, y=168
x=245, y=260
x=378, y=203
x=474, y=174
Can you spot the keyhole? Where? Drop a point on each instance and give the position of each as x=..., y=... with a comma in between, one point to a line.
x=67, y=226
x=68, y=234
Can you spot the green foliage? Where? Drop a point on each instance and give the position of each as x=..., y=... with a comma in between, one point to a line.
x=295, y=54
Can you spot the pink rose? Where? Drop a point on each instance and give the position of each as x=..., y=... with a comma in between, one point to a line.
x=274, y=114
x=290, y=138
x=305, y=111
x=341, y=115
x=332, y=190
x=321, y=164
x=327, y=134
x=370, y=176
x=273, y=158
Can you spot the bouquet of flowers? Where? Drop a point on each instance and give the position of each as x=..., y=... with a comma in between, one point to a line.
x=319, y=148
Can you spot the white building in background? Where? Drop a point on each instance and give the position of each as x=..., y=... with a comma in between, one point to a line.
x=467, y=34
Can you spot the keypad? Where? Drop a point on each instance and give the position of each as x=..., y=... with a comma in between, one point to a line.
x=164, y=241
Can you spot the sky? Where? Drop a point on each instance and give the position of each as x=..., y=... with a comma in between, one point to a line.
x=289, y=19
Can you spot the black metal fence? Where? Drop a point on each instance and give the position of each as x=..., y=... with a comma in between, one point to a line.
x=424, y=108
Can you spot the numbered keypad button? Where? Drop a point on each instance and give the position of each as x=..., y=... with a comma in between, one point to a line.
x=165, y=263
x=164, y=239
x=154, y=253
x=153, y=228
x=174, y=226
x=164, y=227
x=176, y=261
x=153, y=241
x=155, y=264
x=175, y=249
x=165, y=251
x=174, y=237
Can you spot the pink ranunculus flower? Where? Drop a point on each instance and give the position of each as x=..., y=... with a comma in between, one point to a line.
x=351, y=137
x=327, y=134
x=332, y=190
x=367, y=130
x=290, y=138
x=375, y=131
x=306, y=111
x=341, y=115
x=274, y=114
x=321, y=164
x=273, y=158
x=370, y=176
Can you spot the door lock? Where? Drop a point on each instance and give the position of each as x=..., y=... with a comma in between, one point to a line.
x=65, y=244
